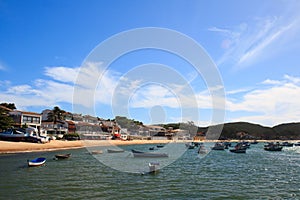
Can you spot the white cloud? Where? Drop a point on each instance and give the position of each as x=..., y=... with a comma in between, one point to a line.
x=275, y=104
x=63, y=74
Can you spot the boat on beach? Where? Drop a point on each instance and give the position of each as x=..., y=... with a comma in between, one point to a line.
x=36, y=162
x=62, y=156
x=137, y=153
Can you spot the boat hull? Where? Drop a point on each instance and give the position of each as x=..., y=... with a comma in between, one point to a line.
x=36, y=162
x=238, y=150
x=62, y=156
x=114, y=151
x=141, y=154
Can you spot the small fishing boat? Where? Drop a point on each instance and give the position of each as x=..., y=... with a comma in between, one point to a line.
x=273, y=147
x=137, y=153
x=97, y=152
x=36, y=162
x=297, y=144
x=190, y=145
x=218, y=146
x=202, y=150
x=240, y=147
x=287, y=144
x=115, y=150
x=62, y=156
x=151, y=148
x=153, y=168
x=160, y=146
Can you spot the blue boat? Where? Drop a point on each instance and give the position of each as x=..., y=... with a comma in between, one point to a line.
x=36, y=162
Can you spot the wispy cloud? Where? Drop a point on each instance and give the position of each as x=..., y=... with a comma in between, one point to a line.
x=2, y=66
x=258, y=39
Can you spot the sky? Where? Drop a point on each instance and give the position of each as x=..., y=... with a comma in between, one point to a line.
x=50, y=55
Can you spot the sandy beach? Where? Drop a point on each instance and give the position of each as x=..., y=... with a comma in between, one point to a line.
x=22, y=147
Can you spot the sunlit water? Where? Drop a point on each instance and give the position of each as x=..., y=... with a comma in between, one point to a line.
x=258, y=174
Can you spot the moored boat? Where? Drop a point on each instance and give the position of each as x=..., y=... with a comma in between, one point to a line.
x=190, y=145
x=218, y=146
x=202, y=150
x=297, y=144
x=239, y=148
x=273, y=147
x=287, y=144
x=137, y=153
x=115, y=150
x=62, y=156
x=97, y=152
x=36, y=162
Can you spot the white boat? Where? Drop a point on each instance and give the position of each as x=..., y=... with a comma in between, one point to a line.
x=36, y=162
x=115, y=150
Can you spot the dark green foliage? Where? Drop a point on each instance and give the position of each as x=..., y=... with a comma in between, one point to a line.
x=71, y=136
x=10, y=106
x=124, y=122
x=56, y=114
x=5, y=120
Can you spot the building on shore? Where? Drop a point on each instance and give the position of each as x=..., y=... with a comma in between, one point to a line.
x=25, y=119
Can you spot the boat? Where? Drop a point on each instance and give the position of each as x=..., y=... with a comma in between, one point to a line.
x=115, y=150
x=202, y=150
x=239, y=148
x=36, y=162
x=297, y=144
x=151, y=148
x=97, y=152
x=218, y=146
x=287, y=144
x=273, y=147
x=254, y=142
x=160, y=146
x=62, y=156
x=153, y=168
x=190, y=145
x=137, y=153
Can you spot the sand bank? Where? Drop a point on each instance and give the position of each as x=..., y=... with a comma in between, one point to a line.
x=20, y=147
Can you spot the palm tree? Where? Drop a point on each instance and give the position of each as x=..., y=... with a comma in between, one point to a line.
x=56, y=115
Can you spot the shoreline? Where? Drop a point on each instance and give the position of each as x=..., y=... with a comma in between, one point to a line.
x=7, y=147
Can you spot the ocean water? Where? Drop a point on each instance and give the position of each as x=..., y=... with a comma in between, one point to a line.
x=258, y=174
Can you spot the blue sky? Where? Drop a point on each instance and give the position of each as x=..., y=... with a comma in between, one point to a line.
x=255, y=45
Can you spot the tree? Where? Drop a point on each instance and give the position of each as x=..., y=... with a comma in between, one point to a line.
x=10, y=106
x=5, y=120
x=56, y=114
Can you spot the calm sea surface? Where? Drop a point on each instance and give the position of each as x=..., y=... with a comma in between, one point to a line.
x=258, y=174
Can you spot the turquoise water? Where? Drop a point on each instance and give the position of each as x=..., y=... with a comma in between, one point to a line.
x=258, y=174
